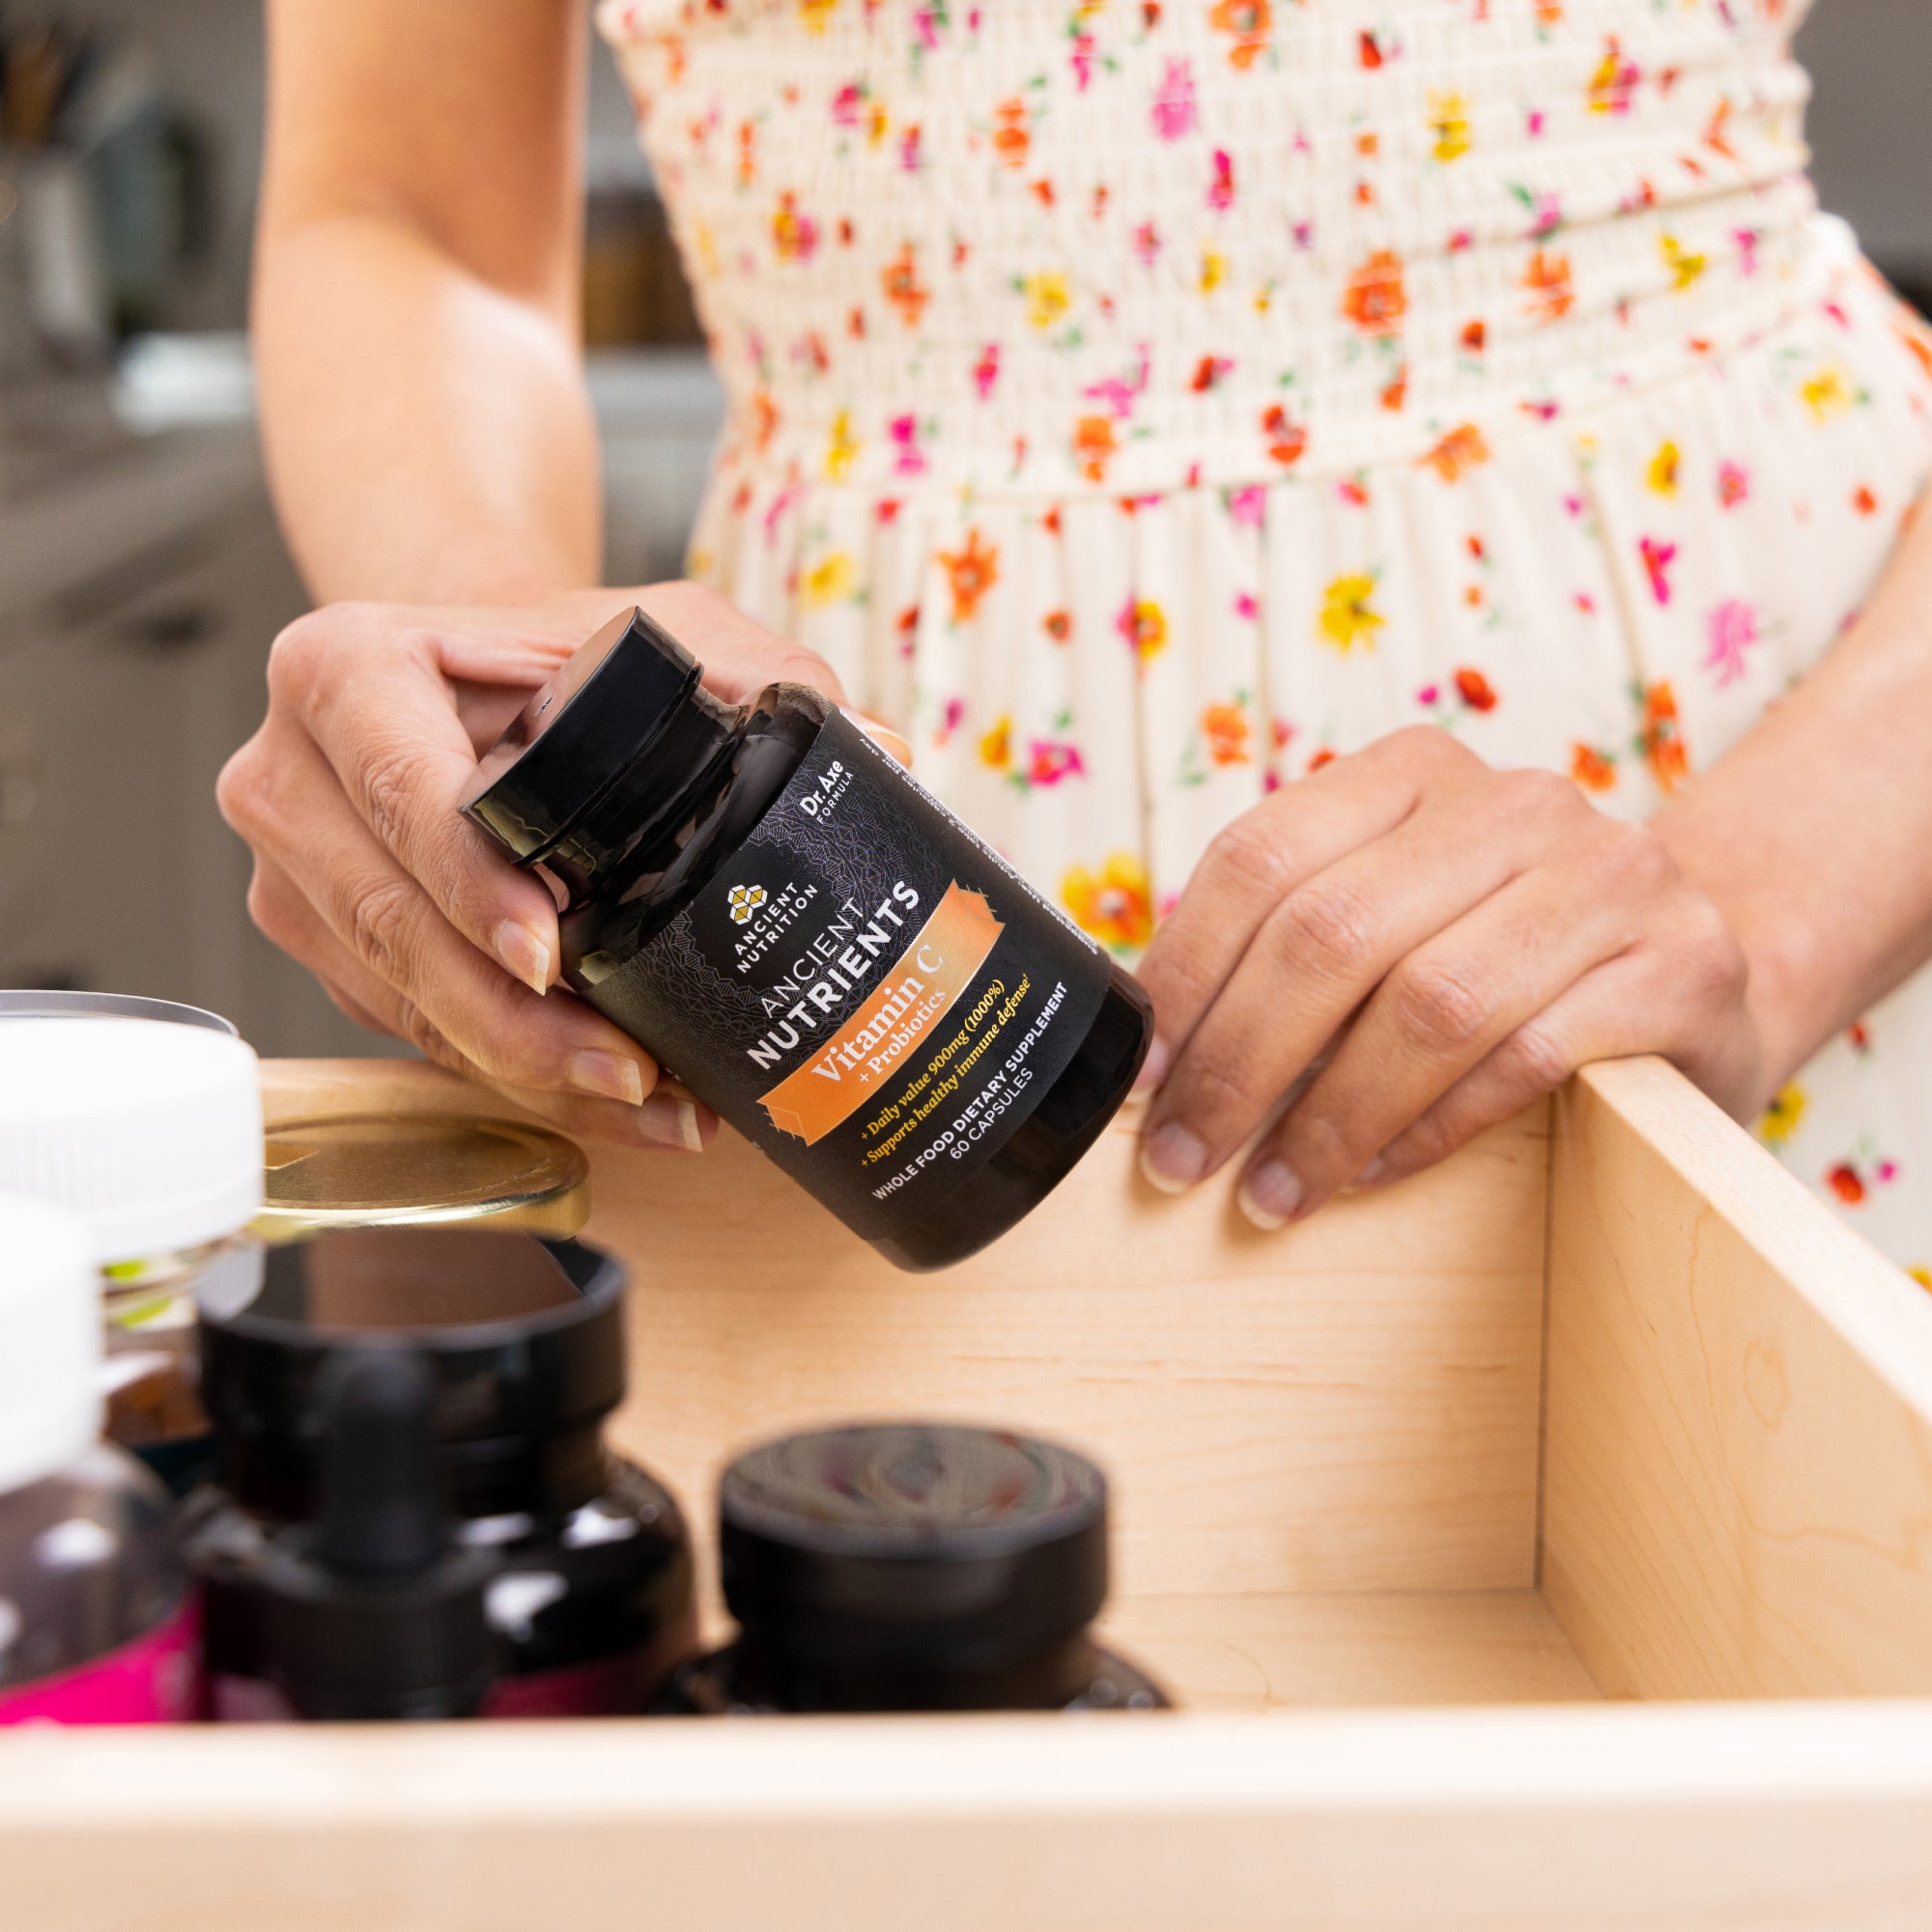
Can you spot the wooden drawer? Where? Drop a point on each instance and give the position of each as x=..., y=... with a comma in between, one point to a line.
x=1413, y=1501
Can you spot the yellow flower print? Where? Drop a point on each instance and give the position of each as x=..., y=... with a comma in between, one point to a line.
x=844, y=446
x=1779, y=1120
x=1827, y=394
x=1662, y=473
x=1683, y=267
x=1114, y=905
x=815, y=12
x=1213, y=270
x=996, y=746
x=1449, y=117
x=1143, y=623
x=1921, y=1275
x=878, y=123
x=832, y=581
x=1345, y=619
x=1047, y=298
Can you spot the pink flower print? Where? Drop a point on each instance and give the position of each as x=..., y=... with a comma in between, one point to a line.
x=1174, y=101
x=909, y=150
x=794, y=235
x=1887, y=1171
x=925, y=25
x=1120, y=394
x=1538, y=120
x=846, y=104
x=1081, y=58
x=1614, y=82
x=1731, y=630
x=1747, y=239
x=1247, y=505
x=1546, y=213
x=951, y=720
x=986, y=371
x=1147, y=243
x=1221, y=190
x=1657, y=558
x=1049, y=761
x=911, y=459
x=1430, y=694
x=1733, y=484
x=1245, y=606
x=1304, y=235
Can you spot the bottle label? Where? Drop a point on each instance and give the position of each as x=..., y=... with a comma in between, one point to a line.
x=151, y=1680
x=867, y=991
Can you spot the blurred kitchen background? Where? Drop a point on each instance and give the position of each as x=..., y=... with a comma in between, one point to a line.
x=141, y=577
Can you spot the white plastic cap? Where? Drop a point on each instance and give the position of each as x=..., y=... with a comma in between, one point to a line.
x=51, y=1405
x=150, y=1132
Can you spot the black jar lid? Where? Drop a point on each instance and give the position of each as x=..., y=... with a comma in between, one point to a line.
x=524, y=1339
x=596, y=716
x=912, y=1547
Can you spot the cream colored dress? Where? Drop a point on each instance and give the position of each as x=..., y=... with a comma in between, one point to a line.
x=1144, y=400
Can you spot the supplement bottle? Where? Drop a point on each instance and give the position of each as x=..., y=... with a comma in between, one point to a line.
x=912, y=1567
x=524, y=1339
x=146, y=1119
x=97, y=1618
x=373, y=1611
x=815, y=946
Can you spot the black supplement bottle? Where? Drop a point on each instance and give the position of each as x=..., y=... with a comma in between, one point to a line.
x=590, y=1592
x=766, y=900
x=910, y=1567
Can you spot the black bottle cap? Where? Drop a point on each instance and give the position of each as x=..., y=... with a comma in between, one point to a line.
x=598, y=714
x=897, y=1548
x=370, y=1612
x=523, y=1339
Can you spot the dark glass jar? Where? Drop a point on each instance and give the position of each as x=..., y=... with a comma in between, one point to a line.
x=591, y=1598
x=912, y=1567
x=766, y=900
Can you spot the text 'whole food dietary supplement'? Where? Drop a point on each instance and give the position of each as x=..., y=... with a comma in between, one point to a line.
x=787, y=919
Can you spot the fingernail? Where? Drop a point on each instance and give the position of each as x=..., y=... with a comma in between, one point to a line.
x=1172, y=1158
x=525, y=958
x=670, y=1120
x=1372, y=1172
x=608, y=1075
x=1269, y=1195
x=1153, y=1068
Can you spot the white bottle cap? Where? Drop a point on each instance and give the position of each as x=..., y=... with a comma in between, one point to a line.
x=150, y=1131
x=50, y=1406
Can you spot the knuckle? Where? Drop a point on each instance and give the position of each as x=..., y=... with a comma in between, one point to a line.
x=387, y=783
x=1321, y=1146
x=382, y=925
x=1436, y=1005
x=1714, y=964
x=1540, y=796
x=1536, y=1059
x=297, y=653
x=1428, y=746
x=241, y=792
x=1250, y=855
x=427, y=1037
x=1325, y=927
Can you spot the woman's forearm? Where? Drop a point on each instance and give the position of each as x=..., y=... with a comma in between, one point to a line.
x=427, y=429
x=1814, y=832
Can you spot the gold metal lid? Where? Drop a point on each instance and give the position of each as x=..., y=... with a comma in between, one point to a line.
x=384, y=1170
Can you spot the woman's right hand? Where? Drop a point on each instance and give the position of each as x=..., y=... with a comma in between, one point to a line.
x=413, y=921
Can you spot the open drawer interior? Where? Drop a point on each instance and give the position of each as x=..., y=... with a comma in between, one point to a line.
x=1606, y=1405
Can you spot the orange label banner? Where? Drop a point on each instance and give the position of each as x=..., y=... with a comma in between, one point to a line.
x=873, y=1046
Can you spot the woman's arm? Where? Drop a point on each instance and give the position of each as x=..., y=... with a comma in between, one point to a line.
x=428, y=433
x=1409, y=947
x=1814, y=835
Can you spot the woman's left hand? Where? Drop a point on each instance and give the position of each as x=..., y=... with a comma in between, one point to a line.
x=1408, y=947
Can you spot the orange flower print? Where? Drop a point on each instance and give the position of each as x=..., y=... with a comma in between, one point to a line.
x=996, y=746
x=1115, y=904
x=1094, y=447
x=1143, y=623
x=1552, y=293
x=1475, y=690
x=1248, y=22
x=1345, y=619
x=1462, y=449
x=1591, y=769
x=1660, y=740
x=794, y=235
x=970, y=573
x=1287, y=440
x=1225, y=727
x=1058, y=625
x=1864, y=501
x=1847, y=1183
x=1049, y=761
x=1375, y=300
x=1010, y=140
x=903, y=288
x=1549, y=12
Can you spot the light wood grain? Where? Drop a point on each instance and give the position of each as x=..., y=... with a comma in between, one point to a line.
x=1738, y=1496
x=1720, y=1819
x=1350, y=1404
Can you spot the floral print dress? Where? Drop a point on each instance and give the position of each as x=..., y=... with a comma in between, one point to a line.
x=1142, y=402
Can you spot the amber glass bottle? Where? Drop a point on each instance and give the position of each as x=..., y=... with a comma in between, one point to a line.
x=788, y=921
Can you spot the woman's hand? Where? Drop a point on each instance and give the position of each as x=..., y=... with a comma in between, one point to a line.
x=413, y=921
x=1408, y=947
